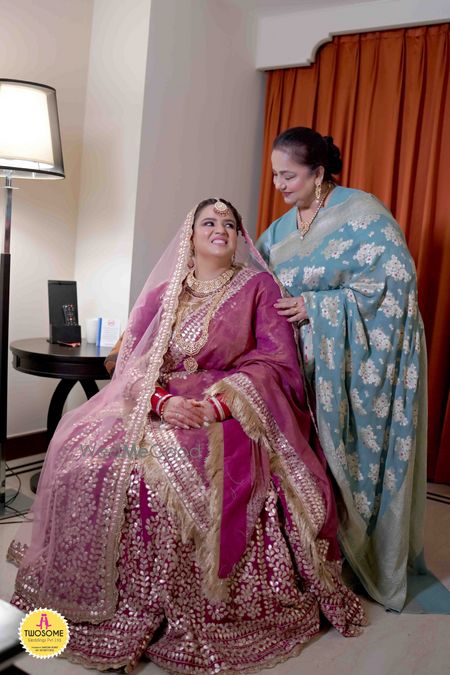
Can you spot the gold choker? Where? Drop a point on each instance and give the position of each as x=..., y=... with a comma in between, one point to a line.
x=201, y=288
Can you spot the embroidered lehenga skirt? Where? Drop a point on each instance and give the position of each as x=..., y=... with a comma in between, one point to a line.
x=163, y=614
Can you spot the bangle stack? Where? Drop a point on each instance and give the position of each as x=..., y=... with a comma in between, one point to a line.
x=161, y=396
x=159, y=400
x=220, y=407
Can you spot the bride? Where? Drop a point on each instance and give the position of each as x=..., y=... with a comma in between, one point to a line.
x=183, y=513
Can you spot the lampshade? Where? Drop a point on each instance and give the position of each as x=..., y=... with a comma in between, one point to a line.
x=30, y=141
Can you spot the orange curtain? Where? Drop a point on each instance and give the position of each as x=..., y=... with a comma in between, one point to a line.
x=385, y=98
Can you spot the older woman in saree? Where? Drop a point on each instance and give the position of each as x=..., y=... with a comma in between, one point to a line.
x=182, y=514
x=343, y=259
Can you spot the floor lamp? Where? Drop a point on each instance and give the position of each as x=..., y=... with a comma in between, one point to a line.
x=30, y=147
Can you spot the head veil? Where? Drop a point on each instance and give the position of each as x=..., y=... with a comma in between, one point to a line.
x=68, y=550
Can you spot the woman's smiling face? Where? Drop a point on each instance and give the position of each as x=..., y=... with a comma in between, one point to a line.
x=215, y=235
x=296, y=182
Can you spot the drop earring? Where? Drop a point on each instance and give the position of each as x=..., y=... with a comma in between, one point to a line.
x=191, y=261
x=318, y=191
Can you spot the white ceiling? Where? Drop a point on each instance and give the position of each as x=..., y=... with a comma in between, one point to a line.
x=267, y=7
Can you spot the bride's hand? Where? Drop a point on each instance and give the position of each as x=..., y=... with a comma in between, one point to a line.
x=184, y=413
x=208, y=410
x=292, y=308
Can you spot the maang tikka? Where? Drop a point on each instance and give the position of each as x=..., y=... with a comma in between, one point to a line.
x=221, y=208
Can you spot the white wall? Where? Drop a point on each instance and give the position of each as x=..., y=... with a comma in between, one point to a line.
x=111, y=146
x=94, y=53
x=202, y=126
x=110, y=161
x=47, y=42
x=292, y=38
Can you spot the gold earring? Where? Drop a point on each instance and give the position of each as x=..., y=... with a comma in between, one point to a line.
x=318, y=191
x=191, y=261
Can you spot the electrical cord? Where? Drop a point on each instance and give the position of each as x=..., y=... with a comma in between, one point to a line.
x=18, y=489
x=11, y=499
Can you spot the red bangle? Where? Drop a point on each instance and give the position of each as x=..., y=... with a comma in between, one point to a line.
x=221, y=409
x=225, y=408
x=158, y=400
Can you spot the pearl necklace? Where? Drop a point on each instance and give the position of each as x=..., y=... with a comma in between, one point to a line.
x=304, y=225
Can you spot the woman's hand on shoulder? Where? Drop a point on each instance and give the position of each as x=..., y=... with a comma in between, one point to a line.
x=184, y=413
x=294, y=309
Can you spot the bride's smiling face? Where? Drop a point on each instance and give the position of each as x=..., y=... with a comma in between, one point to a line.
x=215, y=236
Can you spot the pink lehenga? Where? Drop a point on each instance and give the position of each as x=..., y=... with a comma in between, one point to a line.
x=205, y=550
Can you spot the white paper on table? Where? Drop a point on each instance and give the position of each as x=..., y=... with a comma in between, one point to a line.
x=109, y=332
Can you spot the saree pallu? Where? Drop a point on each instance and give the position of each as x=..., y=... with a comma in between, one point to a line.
x=227, y=552
x=365, y=353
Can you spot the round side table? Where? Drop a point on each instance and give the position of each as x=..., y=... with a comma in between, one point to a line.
x=84, y=364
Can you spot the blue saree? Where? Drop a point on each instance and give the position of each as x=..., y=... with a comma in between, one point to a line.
x=364, y=354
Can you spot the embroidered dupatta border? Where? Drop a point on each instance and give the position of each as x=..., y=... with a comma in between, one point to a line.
x=302, y=493
x=197, y=511
x=327, y=222
x=27, y=581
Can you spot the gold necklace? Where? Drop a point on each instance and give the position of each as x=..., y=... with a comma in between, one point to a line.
x=304, y=225
x=203, y=288
x=192, y=347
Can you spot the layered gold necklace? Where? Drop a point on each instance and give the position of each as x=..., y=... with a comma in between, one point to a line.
x=305, y=225
x=200, y=289
x=204, y=288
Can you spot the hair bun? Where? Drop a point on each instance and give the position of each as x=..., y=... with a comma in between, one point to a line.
x=334, y=155
x=308, y=147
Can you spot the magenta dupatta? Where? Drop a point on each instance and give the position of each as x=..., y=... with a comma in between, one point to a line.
x=251, y=359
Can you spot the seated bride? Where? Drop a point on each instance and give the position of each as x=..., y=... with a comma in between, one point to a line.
x=184, y=514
